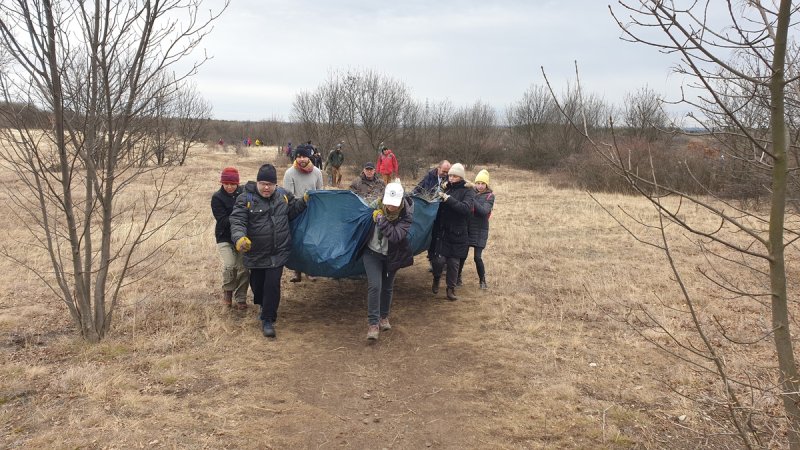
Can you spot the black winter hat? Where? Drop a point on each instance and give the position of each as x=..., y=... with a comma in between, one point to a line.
x=267, y=173
x=304, y=150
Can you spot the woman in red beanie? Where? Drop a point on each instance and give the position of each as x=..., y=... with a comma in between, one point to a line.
x=235, y=276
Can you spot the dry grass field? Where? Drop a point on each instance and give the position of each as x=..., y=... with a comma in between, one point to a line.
x=540, y=360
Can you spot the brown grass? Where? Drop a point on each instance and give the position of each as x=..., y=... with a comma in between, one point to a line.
x=540, y=360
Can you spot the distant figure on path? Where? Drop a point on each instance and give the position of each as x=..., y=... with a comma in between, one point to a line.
x=334, y=164
x=387, y=166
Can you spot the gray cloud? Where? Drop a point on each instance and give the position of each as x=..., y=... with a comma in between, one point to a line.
x=264, y=52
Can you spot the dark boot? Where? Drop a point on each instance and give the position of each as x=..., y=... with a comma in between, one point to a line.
x=459, y=282
x=451, y=294
x=435, y=286
x=268, y=329
x=483, y=284
x=227, y=299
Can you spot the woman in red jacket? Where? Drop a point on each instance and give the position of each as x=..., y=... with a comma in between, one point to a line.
x=387, y=165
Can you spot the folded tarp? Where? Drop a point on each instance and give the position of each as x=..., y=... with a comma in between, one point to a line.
x=326, y=237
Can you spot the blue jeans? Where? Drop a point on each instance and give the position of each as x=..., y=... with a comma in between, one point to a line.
x=379, y=286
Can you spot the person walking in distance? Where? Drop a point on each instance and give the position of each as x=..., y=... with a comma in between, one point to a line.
x=234, y=275
x=387, y=165
x=334, y=164
x=260, y=228
x=387, y=251
x=478, y=226
x=302, y=177
x=450, y=229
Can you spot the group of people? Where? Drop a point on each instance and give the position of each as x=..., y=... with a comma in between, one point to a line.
x=254, y=239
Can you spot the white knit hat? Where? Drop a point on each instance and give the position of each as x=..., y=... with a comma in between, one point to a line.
x=458, y=170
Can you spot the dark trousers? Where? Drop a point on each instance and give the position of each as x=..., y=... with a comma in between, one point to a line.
x=439, y=262
x=477, y=253
x=266, y=286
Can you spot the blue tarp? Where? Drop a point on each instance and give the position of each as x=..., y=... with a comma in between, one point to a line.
x=328, y=234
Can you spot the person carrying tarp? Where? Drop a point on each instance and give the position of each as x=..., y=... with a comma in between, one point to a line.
x=260, y=228
x=387, y=250
x=368, y=186
x=302, y=177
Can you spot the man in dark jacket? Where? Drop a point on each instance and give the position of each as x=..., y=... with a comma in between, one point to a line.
x=450, y=229
x=367, y=185
x=431, y=183
x=234, y=274
x=260, y=228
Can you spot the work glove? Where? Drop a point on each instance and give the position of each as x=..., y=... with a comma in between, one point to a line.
x=305, y=198
x=443, y=196
x=243, y=244
x=376, y=215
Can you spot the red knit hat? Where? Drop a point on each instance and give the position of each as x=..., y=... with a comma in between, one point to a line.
x=229, y=175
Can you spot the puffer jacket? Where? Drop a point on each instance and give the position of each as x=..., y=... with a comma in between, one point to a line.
x=400, y=253
x=450, y=227
x=479, y=220
x=266, y=222
x=221, y=207
x=387, y=164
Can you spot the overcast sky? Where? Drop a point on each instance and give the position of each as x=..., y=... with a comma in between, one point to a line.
x=266, y=51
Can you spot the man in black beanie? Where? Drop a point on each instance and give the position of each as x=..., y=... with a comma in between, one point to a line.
x=260, y=229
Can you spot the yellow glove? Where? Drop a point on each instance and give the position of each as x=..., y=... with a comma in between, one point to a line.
x=376, y=215
x=305, y=198
x=243, y=244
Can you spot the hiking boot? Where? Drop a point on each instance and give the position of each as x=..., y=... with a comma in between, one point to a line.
x=435, y=285
x=459, y=282
x=372, y=332
x=384, y=324
x=451, y=294
x=227, y=299
x=241, y=306
x=268, y=329
x=484, y=285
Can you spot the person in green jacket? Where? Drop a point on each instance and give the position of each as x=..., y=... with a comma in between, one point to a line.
x=334, y=163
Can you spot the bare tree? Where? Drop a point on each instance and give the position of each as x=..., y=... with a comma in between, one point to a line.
x=375, y=105
x=474, y=132
x=98, y=69
x=319, y=114
x=531, y=120
x=644, y=115
x=746, y=249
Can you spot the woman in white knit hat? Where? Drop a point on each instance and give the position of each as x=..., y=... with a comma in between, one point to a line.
x=451, y=242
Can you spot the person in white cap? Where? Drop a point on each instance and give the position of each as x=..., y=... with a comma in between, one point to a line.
x=387, y=250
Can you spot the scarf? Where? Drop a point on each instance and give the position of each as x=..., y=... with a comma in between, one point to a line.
x=391, y=216
x=308, y=169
